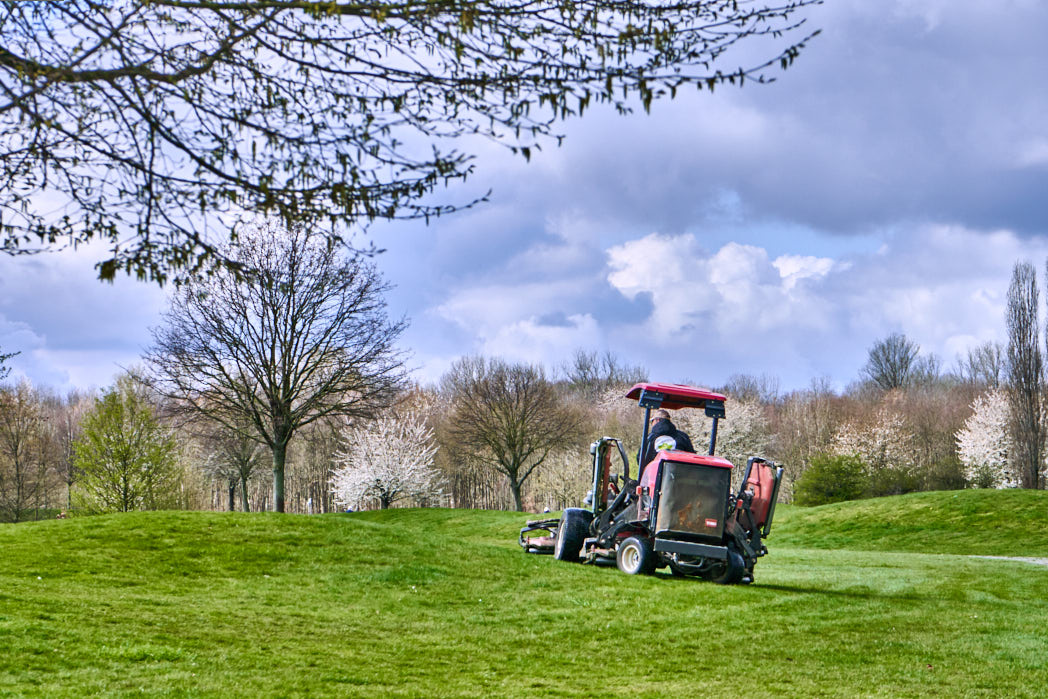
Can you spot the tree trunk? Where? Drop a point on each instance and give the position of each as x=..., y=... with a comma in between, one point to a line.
x=514, y=486
x=279, y=456
x=232, y=495
x=243, y=494
x=125, y=491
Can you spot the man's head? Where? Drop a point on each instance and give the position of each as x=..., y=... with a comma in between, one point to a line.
x=660, y=414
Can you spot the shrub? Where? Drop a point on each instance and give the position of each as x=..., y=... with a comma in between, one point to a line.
x=945, y=474
x=891, y=480
x=831, y=478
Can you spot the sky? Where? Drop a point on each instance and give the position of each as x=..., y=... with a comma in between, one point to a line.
x=887, y=182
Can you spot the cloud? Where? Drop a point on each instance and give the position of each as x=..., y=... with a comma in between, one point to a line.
x=488, y=308
x=731, y=293
x=687, y=310
x=888, y=181
x=737, y=310
x=705, y=314
x=1033, y=153
x=914, y=112
x=795, y=269
x=72, y=330
x=532, y=341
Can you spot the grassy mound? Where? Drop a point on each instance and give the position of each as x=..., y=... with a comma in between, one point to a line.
x=443, y=603
x=983, y=522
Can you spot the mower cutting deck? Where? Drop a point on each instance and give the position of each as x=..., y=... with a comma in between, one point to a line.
x=679, y=513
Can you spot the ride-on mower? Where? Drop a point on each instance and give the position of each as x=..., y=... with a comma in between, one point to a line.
x=679, y=512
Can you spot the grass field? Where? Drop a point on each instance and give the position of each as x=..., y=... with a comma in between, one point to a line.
x=875, y=598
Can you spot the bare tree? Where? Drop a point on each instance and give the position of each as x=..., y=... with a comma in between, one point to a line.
x=892, y=361
x=507, y=417
x=926, y=370
x=313, y=458
x=562, y=481
x=64, y=417
x=1025, y=375
x=234, y=457
x=343, y=112
x=804, y=424
x=984, y=365
x=304, y=338
x=589, y=374
x=25, y=472
x=764, y=388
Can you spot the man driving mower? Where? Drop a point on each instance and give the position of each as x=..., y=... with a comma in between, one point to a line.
x=664, y=435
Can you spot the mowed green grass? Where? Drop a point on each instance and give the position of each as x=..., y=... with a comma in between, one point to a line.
x=875, y=598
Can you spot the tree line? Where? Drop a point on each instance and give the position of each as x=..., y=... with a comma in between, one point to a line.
x=323, y=117
x=282, y=388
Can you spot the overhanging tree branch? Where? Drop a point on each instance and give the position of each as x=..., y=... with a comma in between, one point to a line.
x=333, y=112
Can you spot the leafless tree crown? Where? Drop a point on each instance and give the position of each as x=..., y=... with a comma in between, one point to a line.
x=507, y=416
x=892, y=361
x=304, y=338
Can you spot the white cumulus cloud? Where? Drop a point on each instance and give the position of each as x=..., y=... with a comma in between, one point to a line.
x=737, y=310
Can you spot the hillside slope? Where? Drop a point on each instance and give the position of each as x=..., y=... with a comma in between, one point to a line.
x=443, y=603
x=982, y=522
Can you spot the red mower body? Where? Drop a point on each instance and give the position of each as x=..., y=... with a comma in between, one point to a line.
x=647, y=479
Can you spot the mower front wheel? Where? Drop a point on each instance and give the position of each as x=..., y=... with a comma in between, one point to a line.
x=574, y=526
x=636, y=556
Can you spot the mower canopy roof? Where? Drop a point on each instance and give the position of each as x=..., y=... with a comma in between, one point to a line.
x=673, y=396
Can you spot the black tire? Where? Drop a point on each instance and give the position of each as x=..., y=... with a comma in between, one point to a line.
x=571, y=533
x=732, y=571
x=636, y=556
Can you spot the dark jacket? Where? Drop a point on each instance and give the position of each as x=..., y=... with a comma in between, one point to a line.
x=665, y=428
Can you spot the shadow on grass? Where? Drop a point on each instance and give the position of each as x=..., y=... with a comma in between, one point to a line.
x=861, y=593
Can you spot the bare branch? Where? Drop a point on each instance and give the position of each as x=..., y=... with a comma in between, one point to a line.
x=154, y=126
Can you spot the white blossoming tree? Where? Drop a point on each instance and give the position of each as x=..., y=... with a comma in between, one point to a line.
x=386, y=460
x=887, y=448
x=886, y=442
x=741, y=434
x=984, y=442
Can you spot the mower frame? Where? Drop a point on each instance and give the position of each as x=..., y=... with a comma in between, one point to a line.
x=719, y=534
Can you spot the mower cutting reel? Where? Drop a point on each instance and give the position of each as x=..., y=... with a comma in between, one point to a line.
x=680, y=512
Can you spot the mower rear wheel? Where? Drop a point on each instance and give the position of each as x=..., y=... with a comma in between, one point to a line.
x=571, y=533
x=636, y=556
x=732, y=570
